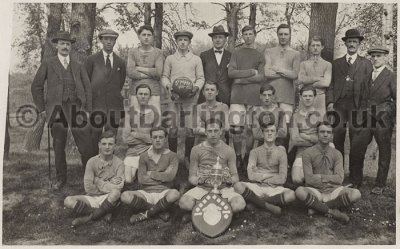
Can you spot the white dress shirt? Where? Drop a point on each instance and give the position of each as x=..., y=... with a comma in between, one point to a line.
x=218, y=56
x=376, y=72
x=111, y=57
x=353, y=58
x=64, y=60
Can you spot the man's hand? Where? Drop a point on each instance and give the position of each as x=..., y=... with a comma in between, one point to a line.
x=201, y=179
x=127, y=105
x=116, y=180
x=255, y=72
x=193, y=92
x=330, y=107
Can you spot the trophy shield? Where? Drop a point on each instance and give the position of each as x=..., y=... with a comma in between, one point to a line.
x=212, y=215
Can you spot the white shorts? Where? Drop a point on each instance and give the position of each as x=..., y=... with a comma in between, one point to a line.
x=96, y=201
x=198, y=193
x=132, y=161
x=239, y=114
x=265, y=191
x=325, y=197
x=153, y=198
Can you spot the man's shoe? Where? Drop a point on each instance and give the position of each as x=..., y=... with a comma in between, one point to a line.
x=377, y=190
x=337, y=215
x=250, y=207
x=81, y=220
x=310, y=212
x=58, y=185
x=138, y=217
x=164, y=216
x=273, y=209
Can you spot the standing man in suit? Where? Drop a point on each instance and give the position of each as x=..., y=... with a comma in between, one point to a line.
x=107, y=73
x=379, y=100
x=215, y=64
x=350, y=74
x=68, y=99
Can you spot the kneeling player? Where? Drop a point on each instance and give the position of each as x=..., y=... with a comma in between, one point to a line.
x=103, y=181
x=157, y=170
x=323, y=172
x=202, y=159
x=267, y=171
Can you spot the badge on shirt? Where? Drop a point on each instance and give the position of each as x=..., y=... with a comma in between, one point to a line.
x=348, y=79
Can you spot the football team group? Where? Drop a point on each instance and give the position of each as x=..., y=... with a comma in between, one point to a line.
x=237, y=108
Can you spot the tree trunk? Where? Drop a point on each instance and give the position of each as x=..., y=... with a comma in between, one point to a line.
x=395, y=9
x=323, y=23
x=253, y=14
x=147, y=13
x=33, y=136
x=232, y=10
x=387, y=30
x=83, y=16
x=158, y=25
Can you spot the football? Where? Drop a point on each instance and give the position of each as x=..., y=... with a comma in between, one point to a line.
x=182, y=86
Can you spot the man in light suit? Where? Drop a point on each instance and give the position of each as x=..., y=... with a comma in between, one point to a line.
x=349, y=76
x=107, y=73
x=68, y=99
x=379, y=101
x=215, y=64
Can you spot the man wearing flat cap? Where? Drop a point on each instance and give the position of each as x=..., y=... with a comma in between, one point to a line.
x=68, y=93
x=215, y=64
x=107, y=73
x=350, y=75
x=379, y=101
x=183, y=64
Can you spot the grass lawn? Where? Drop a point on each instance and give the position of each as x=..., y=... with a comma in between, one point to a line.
x=32, y=214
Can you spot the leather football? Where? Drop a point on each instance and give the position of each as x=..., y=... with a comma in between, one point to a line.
x=182, y=86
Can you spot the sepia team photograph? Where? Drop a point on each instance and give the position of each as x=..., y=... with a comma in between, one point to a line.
x=199, y=123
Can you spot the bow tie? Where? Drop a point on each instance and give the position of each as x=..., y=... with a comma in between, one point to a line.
x=218, y=51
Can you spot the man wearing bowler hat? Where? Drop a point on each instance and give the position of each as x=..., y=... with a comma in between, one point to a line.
x=350, y=75
x=107, y=73
x=68, y=99
x=379, y=101
x=215, y=64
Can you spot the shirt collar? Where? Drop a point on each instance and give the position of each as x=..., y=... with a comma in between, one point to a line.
x=105, y=54
x=379, y=70
x=353, y=57
x=150, y=152
x=61, y=58
x=187, y=56
x=105, y=163
x=222, y=49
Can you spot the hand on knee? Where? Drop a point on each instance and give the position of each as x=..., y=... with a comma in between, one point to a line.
x=114, y=196
x=238, y=204
x=126, y=197
x=69, y=202
x=354, y=195
x=301, y=193
x=239, y=187
x=172, y=195
x=289, y=196
x=186, y=203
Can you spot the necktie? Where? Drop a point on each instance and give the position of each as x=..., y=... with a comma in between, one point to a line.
x=218, y=51
x=65, y=63
x=349, y=60
x=108, y=62
x=374, y=74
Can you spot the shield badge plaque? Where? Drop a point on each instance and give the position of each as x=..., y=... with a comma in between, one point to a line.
x=212, y=215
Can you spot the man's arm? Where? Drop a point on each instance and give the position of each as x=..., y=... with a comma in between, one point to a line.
x=252, y=171
x=291, y=74
x=269, y=72
x=282, y=125
x=193, y=168
x=280, y=178
x=338, y=176
x=199, y=82
x=259, y=77
x=232, y=167
x=169, y=174
x=330, y=91
x=235, y=73
x=166, y=74
x=89, y=66
x=37, y=87
x=303, y=77
x=144, y=176
x=88, y=180
x=123, y=74
x=325, y=81
x=87, y=88
x=311, y=179
x=131, y=68
x=295, y=134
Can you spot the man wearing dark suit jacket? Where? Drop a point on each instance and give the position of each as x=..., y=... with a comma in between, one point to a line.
x=350, y=74
x=68, y=94
x=379, y=101
x=107, y=73
x=215, y=64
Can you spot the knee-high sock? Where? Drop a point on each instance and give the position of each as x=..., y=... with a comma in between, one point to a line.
x=138, y=204
x=161, y=205
x=249, y=195
x=81, y=208
x=276, y=200
x=104, y=208
x=313, y=203
x=340, y=201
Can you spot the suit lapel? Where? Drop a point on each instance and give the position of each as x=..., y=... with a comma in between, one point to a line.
x=57, y=66
x=74, y=68
x=378, y=82
x=356, y=64
x=114, y=67
x=343, y=66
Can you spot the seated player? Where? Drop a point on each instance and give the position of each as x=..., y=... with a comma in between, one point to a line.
x=303, y=132
x=202, y=159
x=267, y=172
x=157, y=170
x=211, y=108
x=136, y=131
x=266, y=113
x=103, y=181
x=323, y=172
